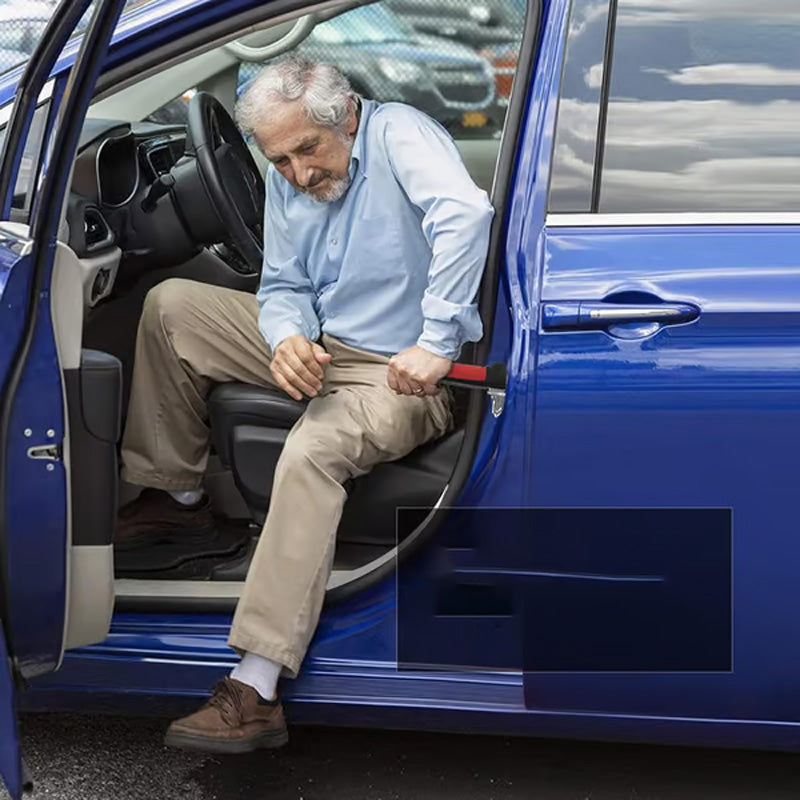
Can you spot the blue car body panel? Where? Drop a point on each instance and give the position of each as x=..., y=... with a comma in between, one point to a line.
x=699, y=415
x=34, y=523
x=35, y=518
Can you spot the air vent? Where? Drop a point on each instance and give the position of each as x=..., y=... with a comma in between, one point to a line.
x=96, y=230
x=160, y=159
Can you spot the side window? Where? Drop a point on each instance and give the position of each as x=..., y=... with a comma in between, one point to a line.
x=461, y=77
x=702, y=110
x=385, y=49
x=579, y=108
x=28, y=168
x=29, y=164
x=22, y=26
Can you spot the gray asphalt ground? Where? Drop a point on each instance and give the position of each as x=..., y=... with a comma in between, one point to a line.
x=112, y=758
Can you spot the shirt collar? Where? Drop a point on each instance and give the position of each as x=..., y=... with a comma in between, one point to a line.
x=357, y=160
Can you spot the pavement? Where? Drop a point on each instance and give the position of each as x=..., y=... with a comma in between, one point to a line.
x=75, y=757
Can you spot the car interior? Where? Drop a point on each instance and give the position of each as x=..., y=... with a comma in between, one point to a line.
x=151, y=200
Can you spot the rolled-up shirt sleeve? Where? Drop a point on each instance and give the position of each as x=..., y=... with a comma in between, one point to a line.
x=457, y=217
x=285, y=295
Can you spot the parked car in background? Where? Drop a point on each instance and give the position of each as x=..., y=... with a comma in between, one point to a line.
x=475, y=23
x=385, y=60
x=490, y=27
x=503, y=58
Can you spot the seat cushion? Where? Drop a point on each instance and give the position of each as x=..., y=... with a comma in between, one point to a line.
x=248, y=428
x=416, y=481
x=234, y=404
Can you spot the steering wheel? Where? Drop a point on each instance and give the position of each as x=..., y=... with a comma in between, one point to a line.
x=229, y=175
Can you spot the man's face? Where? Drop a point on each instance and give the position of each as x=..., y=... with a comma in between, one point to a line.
x=315, y=160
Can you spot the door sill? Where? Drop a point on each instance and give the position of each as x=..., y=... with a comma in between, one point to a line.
x=147, y=594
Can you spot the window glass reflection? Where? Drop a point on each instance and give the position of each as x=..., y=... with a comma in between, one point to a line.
x=579, y=108
x=704, y=107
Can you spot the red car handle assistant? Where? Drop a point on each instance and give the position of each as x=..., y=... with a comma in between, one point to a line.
x=477, y=377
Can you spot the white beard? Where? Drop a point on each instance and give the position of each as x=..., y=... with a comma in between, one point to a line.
x=338, y=186
x=332, y=193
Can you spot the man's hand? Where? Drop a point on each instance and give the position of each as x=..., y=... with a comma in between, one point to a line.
x=297, y=366
x=417, y=371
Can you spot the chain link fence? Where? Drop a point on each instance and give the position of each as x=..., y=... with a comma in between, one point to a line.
x=453, y=59
x=22, y=25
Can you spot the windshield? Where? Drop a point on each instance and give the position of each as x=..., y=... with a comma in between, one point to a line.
x=22, y=25
x=370, y=24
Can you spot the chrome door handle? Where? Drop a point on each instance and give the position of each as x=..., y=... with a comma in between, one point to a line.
x=597, y=315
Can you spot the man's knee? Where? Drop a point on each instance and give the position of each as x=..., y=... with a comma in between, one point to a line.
x=167, y=306
x=303, y=454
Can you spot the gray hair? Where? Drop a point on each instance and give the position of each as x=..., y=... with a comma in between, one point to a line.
x=322, y=89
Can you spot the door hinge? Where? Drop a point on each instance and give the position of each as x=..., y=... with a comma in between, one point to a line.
x=45, y=452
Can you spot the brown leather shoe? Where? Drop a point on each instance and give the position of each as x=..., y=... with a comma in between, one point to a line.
x=155, y=517
x=235, y=720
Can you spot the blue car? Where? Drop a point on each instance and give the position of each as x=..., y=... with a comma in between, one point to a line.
x=606, y=547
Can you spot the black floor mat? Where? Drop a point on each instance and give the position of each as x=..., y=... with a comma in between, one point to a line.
x=177, y=561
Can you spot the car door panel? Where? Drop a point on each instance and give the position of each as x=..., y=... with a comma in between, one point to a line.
x=702, y=415
x=36, y=481
x=92, y=385
x=34, y=532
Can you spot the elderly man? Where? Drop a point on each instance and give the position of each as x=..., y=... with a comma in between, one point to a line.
x=374, y=244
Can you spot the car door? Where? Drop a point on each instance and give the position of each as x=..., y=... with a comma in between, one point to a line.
x=34, y=441
x=667, y=379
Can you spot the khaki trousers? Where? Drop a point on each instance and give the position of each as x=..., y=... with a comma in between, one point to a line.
x=193, y=335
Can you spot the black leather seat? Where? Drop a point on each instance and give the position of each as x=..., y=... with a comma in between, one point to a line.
x=249, y=426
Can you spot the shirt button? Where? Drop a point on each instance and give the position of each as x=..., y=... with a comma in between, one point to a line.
x=334, y=242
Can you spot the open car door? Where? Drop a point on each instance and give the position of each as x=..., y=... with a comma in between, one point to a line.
x=35, y=529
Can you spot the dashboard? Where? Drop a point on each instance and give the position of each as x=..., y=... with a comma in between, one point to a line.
x=118, y=159
x=109, y=230
x=138, y=202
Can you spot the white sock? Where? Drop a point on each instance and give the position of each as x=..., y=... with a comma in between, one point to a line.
x=259, y=672
x=187, y=498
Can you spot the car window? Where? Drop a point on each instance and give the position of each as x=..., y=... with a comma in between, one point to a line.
x=371, y=24
x=29, y=163
x=703, y=108
x=579, y=108
x=462, y=80
x=388, y=54
x=22, y=25
x=702, y=112
x=28, y=167
x=23, y=34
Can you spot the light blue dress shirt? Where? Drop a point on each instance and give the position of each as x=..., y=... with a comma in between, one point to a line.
x=396, y=261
